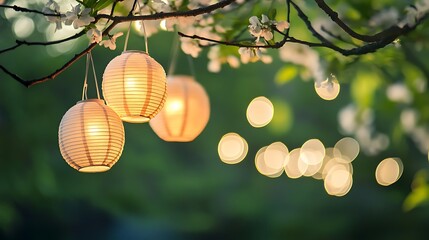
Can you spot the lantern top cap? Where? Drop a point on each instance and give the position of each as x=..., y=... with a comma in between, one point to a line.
x=135, y=51
x=92, y=100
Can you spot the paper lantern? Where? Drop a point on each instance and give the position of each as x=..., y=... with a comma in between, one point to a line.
x=134, y=86
x=186, y=111
x=91, y=136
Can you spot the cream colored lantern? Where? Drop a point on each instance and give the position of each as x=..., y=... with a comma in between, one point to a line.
x=91, y=136
x=134, y=86
x=186, y=111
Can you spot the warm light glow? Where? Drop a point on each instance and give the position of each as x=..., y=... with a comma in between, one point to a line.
x=91, y=136
x=270, y=160
x=312, y=152
x=263, y=168
x=389, y=171
x=232, y=148
x=328, y=89
x=134, y=86
x=338, y=182
x=291, y=166
x=163, y=24
x=186, y=111
x=346, y=149
x=260, y=112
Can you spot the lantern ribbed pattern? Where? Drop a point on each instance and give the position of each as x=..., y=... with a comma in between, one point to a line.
x=186, y=111
x=134, y=86
x=91, y=136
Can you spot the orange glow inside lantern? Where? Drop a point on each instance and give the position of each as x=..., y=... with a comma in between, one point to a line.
x=134, y=86
x=91, y=136
x=186, y=111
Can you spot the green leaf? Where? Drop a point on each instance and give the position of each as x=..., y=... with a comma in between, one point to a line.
x=102, y=4
x=286, y=74
x=272, y=14
x=420, y=192
x=364, y=87
x=90, y=3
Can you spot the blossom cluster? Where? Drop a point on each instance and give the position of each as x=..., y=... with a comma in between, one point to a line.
x=77, y=16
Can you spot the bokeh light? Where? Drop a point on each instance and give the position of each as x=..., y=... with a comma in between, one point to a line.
x=347, y=149
x=389, y=171
x=260, y=112
x=232, y=148
x=328, y=89
x=23, y=27
x=312, y=152
x=291, y=166
x=269, y=160
x=275, y=155
x=338, y=181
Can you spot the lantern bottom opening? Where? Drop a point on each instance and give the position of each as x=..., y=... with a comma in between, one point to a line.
x=94, y=168
x=135, y=119
x=177, y=139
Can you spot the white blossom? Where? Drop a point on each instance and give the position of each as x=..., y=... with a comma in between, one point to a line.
x=253, y=55
x=305, y=56
x=94, y=35
x=216, y=59
x=51, y=7
x=78, y=18
x=160, y=6
x=190, y=47
x=398, y=92
x=111, y=42
x=282, y=25
x=263, y=27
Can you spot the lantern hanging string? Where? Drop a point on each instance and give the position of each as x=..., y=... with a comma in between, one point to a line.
x=144, y=33
x=174, y=54
x=128, y=36
x=89, y=60
x=95, y=75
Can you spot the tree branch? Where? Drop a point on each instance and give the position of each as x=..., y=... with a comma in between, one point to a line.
x=29, y=83
x=162, y=15
x=115, y=21
x=21, y=42
x=390, y=33
x=21, y=9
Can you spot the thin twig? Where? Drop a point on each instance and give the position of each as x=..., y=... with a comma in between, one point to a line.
x=23, y=42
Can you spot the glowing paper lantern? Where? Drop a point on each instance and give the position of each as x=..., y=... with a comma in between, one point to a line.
x=185, y=113
x=91, y=136
x=134, y=86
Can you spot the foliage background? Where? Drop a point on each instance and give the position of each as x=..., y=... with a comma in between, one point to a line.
x=162, y=190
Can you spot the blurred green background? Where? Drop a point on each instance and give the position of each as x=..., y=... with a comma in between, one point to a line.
x=161, y=190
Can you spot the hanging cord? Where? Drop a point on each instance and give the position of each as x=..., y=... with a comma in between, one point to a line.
x=89, y=60
x=85, y=81
x=127, y=37
x=95, y=75
x=174, y=55
x=144, y=32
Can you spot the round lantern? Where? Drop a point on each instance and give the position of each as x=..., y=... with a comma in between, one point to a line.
x=134, y=86
x=186, y=111
x=91, y=136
